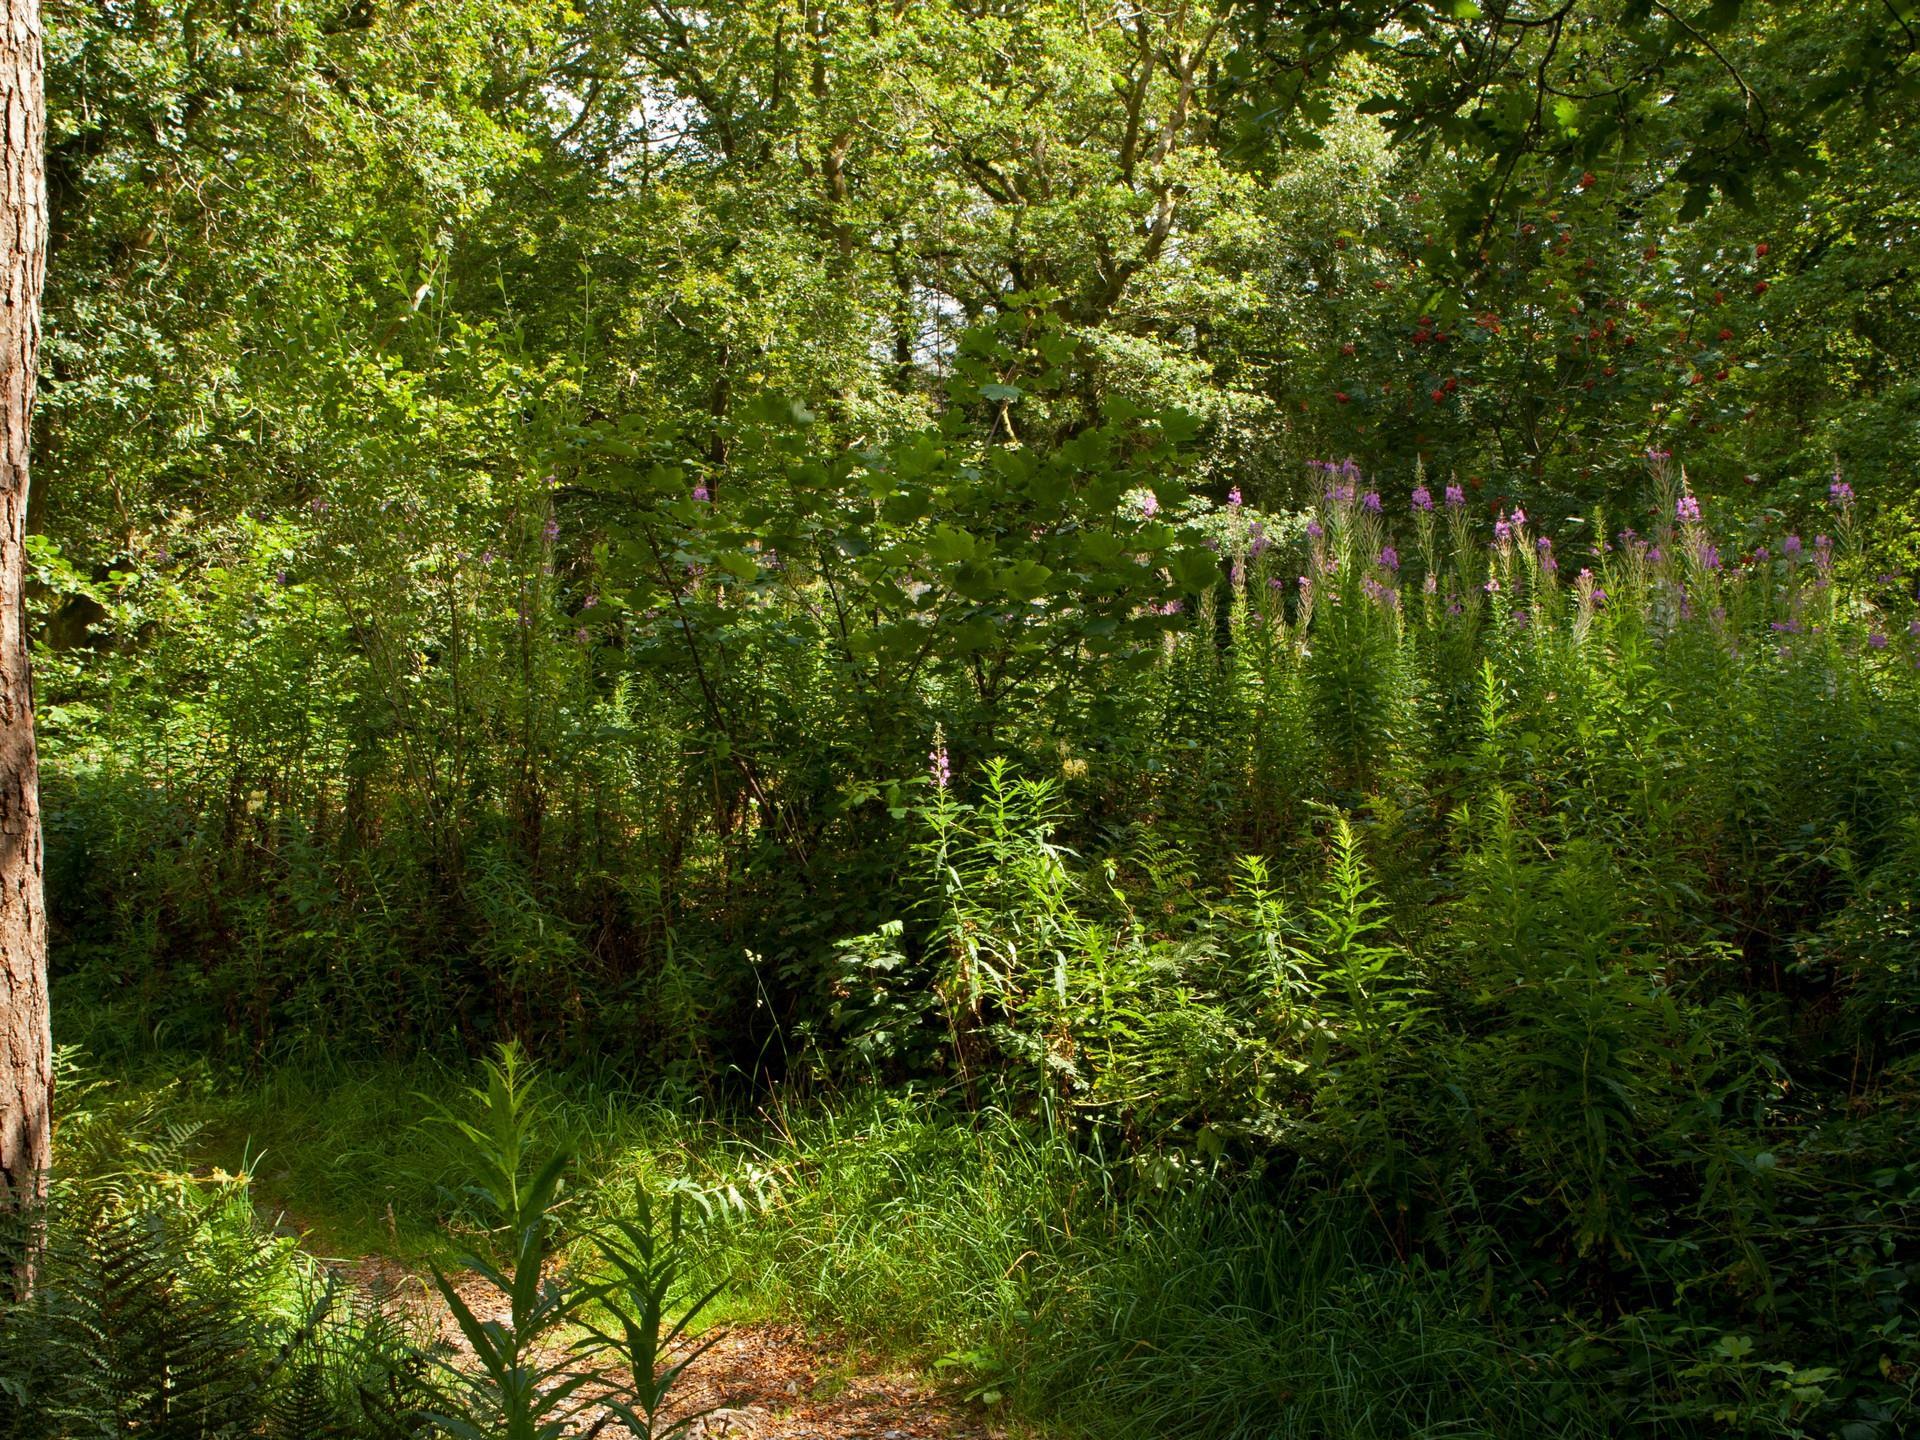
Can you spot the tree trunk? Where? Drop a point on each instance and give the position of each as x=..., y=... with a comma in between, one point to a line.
x=26, y=1042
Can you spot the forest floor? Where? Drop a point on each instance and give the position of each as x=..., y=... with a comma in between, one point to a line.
x=760, y=1380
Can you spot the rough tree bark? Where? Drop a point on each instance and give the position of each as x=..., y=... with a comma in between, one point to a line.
x=26, y=1043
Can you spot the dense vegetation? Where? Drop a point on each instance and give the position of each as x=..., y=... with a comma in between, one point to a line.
x=1211, y=711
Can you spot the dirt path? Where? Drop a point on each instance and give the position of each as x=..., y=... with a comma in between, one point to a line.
x=760, y=1381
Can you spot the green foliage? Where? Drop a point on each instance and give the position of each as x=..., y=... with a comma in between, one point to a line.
x=783, y=557
x=163, y=1307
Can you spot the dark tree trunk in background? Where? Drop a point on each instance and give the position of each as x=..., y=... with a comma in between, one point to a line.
x=26, y=1043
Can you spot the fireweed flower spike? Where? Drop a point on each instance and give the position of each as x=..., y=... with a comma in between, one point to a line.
x=1422, y=498
x=1840, y=492
x=1149, y=504
x=1686, y=510
x=1790, y=547
x=550, y=530
x=1456, y=497
x=1233, y=497
x=702, y=494
x=1372, y=501
x=1389, y=558
x=937, y=767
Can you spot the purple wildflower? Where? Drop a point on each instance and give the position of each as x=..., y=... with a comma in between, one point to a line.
x=1877, y=640
x=1840, y=492
x=1790, y=547
x=1372, y=501
x=1389, y=558
x=1502, y=532
x=583, y=635
x=1315, y=530
x=937, y=767
x=551, y=530
x=701, y=493
x=1519, y=517
x=1456, y=497
x=1422, y=498
x=1233, y=497
x=1149, y=504
x=1686, y=509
